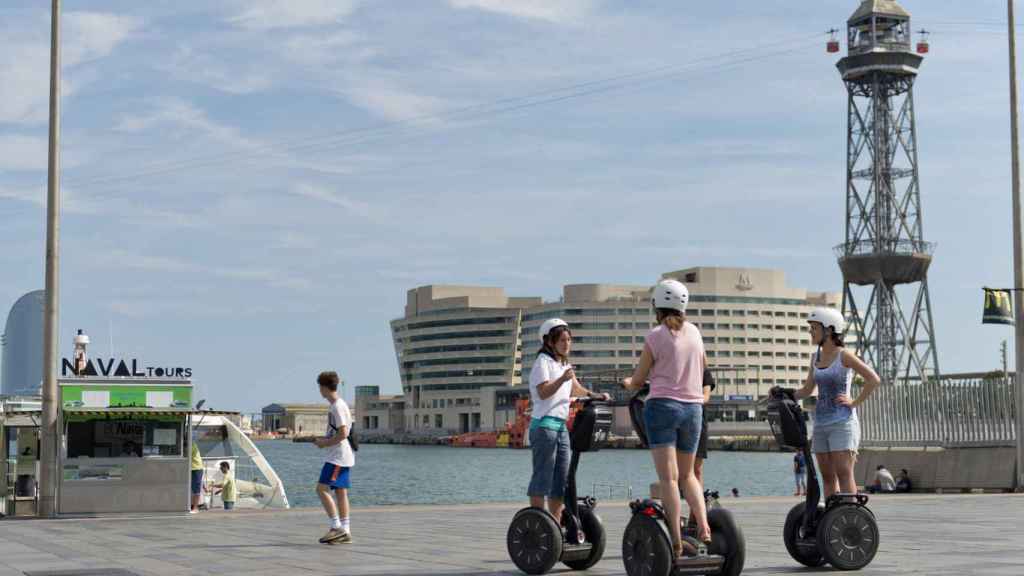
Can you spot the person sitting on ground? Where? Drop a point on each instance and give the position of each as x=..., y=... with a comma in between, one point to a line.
x=884, y=482
x=227, y=488
x=903, y=483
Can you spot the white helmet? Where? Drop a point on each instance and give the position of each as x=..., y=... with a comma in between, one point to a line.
x=670, y=294
x=549, y=325
x=828, y=317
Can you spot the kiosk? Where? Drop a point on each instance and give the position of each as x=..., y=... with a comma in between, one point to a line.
x=124, y=445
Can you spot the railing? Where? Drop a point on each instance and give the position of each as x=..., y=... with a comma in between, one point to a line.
x=612, y=488
x=871, y=246
x=955, y=411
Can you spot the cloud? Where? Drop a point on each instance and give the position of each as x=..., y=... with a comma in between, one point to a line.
x=93, y=35
x=25, y=59
x=558, y=12
x=239, y=77
x=184, y=114
x=314, y=192
x=271, y=14
x=384, y=97
x=19, y=152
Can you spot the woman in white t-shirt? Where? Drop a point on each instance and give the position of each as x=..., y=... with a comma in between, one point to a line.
x=552, y=385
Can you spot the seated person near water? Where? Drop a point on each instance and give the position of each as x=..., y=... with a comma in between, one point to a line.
x=884, y=481
x=903, y=483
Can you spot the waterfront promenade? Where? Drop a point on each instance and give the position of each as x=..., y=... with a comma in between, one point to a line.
x=921, y=534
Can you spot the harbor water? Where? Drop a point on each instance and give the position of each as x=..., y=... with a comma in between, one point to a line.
x=387, y=474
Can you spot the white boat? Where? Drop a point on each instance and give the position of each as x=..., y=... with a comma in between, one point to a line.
x=220, y=440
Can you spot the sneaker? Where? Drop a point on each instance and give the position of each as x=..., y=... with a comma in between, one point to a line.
x=332, y=535
x=345, y=538
x=193, y=511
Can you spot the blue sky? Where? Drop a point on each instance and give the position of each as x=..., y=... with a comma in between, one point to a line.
x=252, y=186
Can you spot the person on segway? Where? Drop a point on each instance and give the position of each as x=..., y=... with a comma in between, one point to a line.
x=553, y=384
x=673, y=361
x=836, y=436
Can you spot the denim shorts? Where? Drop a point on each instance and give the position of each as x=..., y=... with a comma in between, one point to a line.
x=839, y=436
x=197, y=482
x=671, y=422
x=550, y=462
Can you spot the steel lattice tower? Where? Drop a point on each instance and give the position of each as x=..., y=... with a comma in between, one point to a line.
x=885, y=247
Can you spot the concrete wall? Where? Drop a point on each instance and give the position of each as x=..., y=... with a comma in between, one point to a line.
x=989, y=468
x=148, y=485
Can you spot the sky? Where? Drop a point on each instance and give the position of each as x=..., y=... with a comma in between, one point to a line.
x=251, y=186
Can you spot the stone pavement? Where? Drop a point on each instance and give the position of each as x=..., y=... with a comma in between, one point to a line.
x=921, y=534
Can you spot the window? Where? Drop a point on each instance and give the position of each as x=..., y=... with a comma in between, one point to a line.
x=792, y=315
x=709, y=339
x=625, y=339
x=707, y=312
x=779, y=314
x=723, y=312
x=97, y=438
x=626, y=353
x=710, y=353
x=690, y=277
x=438, y=421
x=739, y=340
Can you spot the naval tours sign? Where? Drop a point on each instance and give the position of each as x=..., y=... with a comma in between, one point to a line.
x=114, y=367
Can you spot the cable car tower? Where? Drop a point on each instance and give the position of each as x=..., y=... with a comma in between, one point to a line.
x=885, y=257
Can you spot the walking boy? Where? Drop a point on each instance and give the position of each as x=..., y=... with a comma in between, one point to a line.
x=339, y=460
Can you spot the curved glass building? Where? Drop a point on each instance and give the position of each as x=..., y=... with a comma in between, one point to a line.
x=21, y=373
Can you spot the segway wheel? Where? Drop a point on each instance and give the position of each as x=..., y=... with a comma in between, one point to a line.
x=848, y=537
x=593, y=529
x=646, y=548
x=727, y=540
x=534, y=541
x=793, y=532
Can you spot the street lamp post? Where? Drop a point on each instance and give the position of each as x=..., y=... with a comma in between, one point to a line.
x=48, y=428
x=1018, y=252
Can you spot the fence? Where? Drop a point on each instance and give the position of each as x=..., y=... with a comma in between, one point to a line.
x=953, y=411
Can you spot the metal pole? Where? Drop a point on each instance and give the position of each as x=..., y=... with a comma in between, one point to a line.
x=48, y=429
x=1018, y=251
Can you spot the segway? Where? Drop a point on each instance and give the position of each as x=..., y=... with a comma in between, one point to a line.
x=843, y=532
x=536, y=540
x=647, y=542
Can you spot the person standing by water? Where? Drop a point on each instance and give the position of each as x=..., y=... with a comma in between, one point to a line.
x=673, y=359
x=799, y=472
x=334, y=476
x=836, y=426
x=553, y=384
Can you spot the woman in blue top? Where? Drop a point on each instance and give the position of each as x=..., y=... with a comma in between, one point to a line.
x=836, y=427
x=552, y=386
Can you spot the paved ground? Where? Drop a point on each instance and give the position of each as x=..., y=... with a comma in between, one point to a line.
x=926, y=534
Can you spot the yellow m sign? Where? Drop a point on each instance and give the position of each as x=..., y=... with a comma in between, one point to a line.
x=998, y=307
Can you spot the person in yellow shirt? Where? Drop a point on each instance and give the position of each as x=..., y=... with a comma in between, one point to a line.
x=197, y=478
x=227, y=490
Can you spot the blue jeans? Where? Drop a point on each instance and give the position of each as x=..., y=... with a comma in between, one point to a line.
x=671, y=422
x=550, y=462
x=229, y=505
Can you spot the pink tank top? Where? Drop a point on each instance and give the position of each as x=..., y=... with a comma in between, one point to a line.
x=678, y=371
